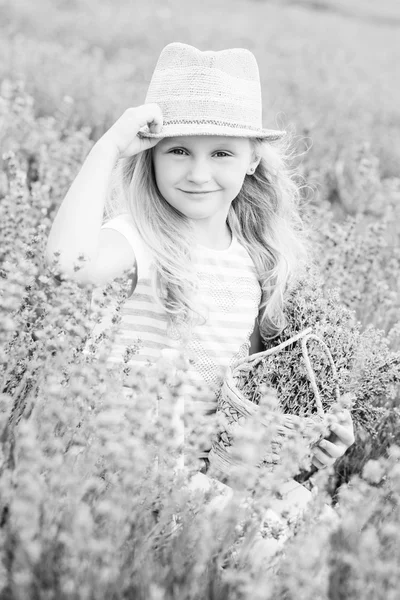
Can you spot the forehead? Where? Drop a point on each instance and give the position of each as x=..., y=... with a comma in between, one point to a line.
x=207, y=142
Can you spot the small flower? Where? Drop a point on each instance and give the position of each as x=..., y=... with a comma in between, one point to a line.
x=373, y=472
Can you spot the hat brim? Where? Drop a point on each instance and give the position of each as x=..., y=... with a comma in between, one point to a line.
x=211, y=129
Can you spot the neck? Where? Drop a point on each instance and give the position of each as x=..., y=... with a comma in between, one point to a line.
x=216, y=236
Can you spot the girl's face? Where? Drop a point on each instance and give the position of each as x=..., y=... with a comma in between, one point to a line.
x=201, y=175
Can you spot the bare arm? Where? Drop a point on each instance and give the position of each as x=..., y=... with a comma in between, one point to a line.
x=76, y=227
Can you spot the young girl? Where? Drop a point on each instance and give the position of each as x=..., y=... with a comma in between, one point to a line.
x=204, y=212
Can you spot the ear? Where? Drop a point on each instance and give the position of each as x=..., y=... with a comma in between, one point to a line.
x=255, y=158
x=253, y=165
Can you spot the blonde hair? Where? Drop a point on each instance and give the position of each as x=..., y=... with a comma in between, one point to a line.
x=264, y=216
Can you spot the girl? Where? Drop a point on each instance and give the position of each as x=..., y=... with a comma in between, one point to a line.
x=207, y=218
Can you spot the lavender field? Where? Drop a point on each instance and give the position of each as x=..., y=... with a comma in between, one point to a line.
x=92, y=505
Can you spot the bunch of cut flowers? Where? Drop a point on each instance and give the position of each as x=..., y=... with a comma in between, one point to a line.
x=308, y=368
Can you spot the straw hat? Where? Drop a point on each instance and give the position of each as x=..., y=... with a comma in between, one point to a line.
x=208, y=93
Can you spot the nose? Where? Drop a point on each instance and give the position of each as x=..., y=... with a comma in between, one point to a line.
x=199, y=171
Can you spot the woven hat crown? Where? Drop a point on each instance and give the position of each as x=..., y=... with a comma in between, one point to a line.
x=208, y=93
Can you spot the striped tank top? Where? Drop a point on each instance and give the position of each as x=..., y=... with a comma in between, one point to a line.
x=227, y=285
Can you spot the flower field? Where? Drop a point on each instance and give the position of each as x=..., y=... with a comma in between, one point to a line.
x=93, y=502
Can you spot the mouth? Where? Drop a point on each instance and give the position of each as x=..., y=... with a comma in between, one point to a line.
x=201, y=193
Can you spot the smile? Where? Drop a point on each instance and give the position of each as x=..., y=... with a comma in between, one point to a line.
x=199, y=193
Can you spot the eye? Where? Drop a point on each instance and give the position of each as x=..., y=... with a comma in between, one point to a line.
x=178, y=151
x=221, y=152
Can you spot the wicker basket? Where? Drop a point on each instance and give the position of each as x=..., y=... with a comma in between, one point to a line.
x=233, y=406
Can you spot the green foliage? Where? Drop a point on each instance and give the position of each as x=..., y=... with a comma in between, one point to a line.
x=92, y=504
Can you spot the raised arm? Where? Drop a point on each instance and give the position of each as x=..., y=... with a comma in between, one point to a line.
x=76, y=227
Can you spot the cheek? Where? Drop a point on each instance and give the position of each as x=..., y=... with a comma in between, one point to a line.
x=234, y=178
x=166, y=173
x=161, y=174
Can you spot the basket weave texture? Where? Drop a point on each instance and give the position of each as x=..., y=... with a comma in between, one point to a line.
x=236, y=404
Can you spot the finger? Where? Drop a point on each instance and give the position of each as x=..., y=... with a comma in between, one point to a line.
x=344, y=433
x=317, y=463
x=146, y=143
x=344, y=417
x=333, y=450
x=148, y=114
x=323, y=458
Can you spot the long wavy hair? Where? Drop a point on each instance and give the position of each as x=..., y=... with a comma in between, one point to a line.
x=265, y=217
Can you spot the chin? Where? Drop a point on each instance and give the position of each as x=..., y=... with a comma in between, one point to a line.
x=193, y=213
x=197, y=215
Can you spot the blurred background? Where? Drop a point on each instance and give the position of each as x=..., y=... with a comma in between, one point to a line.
x=329, y=68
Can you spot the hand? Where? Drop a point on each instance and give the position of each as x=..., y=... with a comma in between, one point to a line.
x=332, y=448
x=123, y=134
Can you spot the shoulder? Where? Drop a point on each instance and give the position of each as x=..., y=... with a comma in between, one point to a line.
x=125, y=226
x=115, y=255
x=123, y=223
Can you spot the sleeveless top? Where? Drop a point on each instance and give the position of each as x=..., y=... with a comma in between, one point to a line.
x=227, y=285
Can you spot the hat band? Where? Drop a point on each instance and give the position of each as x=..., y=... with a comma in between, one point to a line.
x=210, y=122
